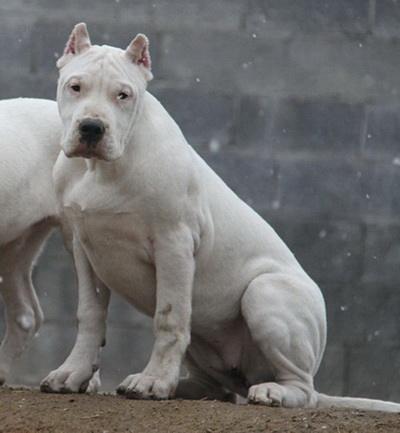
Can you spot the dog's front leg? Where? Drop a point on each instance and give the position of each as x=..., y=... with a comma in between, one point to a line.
x=75, y=374
x=173, y=256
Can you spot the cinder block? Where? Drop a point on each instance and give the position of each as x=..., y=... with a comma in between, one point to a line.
x=253, y=124
x=286, y=18
x=232, y=58
x=317, y=126
x=387, y=17
x=328, y=188
x=374, y=370
x=75, y=10
x=339, y=188
x=330, y=251
x=306, y=67
x=117, y=11
x=329, y=378
x=363, y=318
x=135, y=13
x=333, y=65
x=362, y=312
x=25, y=84
x=206, y=119
x=15, y=43
x=379, y=183
x=177, y=14
x=383, y=131
x=251, y=178
x=376, y=306
x=382, y=255
x=346, y=323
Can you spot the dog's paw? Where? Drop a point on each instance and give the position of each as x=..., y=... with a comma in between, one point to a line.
x=142, y=386
x=269, y=394
x=67, y=379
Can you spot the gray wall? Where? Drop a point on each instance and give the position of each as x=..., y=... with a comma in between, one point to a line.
x=296, y=104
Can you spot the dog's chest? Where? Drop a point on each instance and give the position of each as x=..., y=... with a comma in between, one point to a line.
x=120, y=252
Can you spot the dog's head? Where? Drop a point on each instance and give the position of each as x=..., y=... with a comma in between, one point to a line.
x=99, y=94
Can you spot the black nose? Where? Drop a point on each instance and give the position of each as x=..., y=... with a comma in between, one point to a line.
x=91, y=130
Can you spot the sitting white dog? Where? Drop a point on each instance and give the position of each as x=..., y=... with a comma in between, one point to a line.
x=149, y=219
x=30, y=144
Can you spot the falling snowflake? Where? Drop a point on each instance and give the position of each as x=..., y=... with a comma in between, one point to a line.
x=276, y=204
x=214, y=145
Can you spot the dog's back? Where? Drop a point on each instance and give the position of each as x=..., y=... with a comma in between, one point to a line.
x=29, y=145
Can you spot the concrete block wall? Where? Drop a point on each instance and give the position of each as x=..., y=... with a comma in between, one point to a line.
x=296, y=104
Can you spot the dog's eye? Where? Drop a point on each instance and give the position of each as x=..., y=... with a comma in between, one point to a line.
x=122, y=95
x=76, y=87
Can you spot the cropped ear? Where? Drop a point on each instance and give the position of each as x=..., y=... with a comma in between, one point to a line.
x=138, y=53
x=78, y=42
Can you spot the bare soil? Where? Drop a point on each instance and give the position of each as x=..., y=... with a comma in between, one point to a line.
x=29, y=411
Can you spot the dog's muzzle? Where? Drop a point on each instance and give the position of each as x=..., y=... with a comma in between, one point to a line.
x=91, y=131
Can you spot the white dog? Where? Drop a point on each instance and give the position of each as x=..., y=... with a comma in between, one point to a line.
x=149, y=219
x=29, y=143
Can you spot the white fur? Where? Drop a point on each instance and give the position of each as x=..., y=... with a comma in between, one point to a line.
x=29, y=144
x=149, y=219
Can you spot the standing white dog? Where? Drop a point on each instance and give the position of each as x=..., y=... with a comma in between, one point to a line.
x=29, y=143
x=149, y=219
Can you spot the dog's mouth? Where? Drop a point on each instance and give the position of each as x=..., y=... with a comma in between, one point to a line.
x=83, y=151
x=87, y=155
x=86, y=147
x=103, y=148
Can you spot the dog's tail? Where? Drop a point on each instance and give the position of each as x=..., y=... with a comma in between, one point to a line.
x=325, y=401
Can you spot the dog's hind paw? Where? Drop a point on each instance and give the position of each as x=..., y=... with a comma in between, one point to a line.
x=269, y=394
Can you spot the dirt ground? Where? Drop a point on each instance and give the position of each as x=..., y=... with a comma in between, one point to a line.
x=29, y=411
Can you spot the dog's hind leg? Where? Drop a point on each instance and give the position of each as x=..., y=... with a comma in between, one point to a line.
x=286, y=319
x=23, y=314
